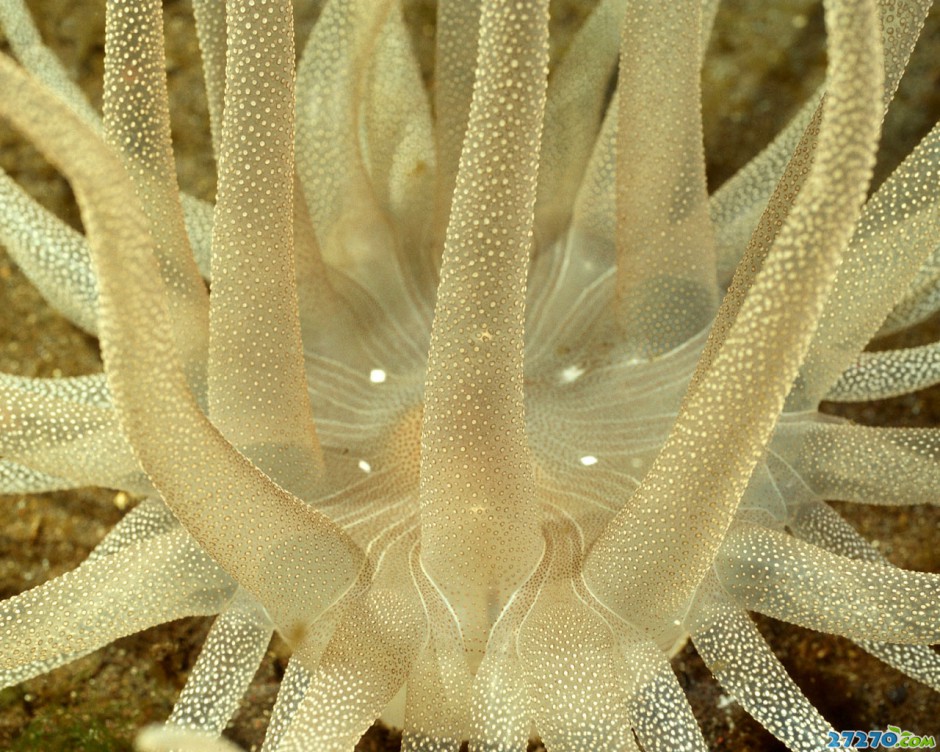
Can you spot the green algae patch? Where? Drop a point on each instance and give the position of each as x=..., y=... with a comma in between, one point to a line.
x=52, y=736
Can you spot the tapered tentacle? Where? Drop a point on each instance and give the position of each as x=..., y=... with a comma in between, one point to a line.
x=888, y=373
x=659, y=710
x=474, y=395
x=920, y=662
x=254, y=320
x=595, y=208
x=666, y=287
x=363, y=667
x=499, y=707
x=438, y=688
x=41, y=427
x=27, y=46
x=210, y=30
x=229, y=659
x=289, y=696
x=310, y=563
x=146, y=583
x=594, y=216
x=399, y=144
x=578, y=85
x=896, y=234
x=819, y=524
x=135, y=72
x=354, y=229
x=781, y=576
x=44, y=65
x=737, y=207
x=920, y=302
x=90, y=390
x=198, y=217
x=16, y=478
x=740, y=398
x=759, y=244
x=146, y=521
x=52, y=255
x=457, y=32
x=742, y=662
x=892, y=466
x=318, y=301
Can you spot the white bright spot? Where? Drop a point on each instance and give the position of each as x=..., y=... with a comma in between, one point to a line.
x=588, y=460
x=377, y=376
x=365, y=466
x=571, y=373
x=725, y=700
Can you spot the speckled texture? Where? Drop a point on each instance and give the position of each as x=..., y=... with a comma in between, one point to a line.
x=98, y=702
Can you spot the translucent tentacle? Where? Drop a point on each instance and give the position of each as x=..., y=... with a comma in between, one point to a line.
x=474, y=396
x=896, y=233
x=741, y=398
x=16, y=478
x=401, y=160
x=666, y=288
x=198, y=217
x=42, y=62
x=52, y=255
x=458, y=24
x=354, y=230
x=784, y=577
x=659, y=710
x=289, y=696
x=210, y=30
x=198, y=473
x=438, y=689
x=172, y=739
x=920, y=303
x=889, y=373
x=920, y=662
x=578, y=85
x=893, y=466
x=744, y=665
x=568, y=656
x=255, y=326
x=90, y=390
x=227, y=663
x=819, y=524
x=499, y=702
x=595, y=207
x=41, y=427
x=145, y=583
x=147, y=520
x=737, y=206
x=135, y=70
x=361, y=670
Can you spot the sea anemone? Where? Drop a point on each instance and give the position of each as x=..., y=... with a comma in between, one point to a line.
x=488, y=406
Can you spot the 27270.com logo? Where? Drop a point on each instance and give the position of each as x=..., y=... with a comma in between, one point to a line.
x=890, y=738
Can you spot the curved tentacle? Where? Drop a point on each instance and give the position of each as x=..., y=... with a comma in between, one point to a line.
x=666, y=289
x=229, y=659
x=741, y=398
x=784, y=577
x=742, y=662
x=158, y=413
